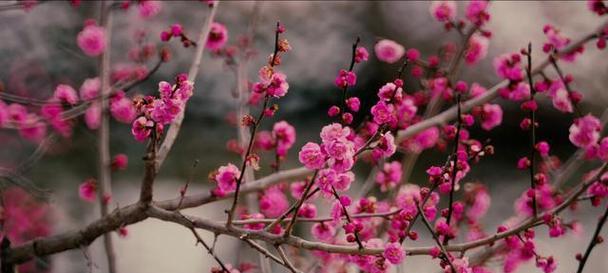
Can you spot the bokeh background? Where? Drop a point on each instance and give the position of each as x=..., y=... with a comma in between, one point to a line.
x=39, y=50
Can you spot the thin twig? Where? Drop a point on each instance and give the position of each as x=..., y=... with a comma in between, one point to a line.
x=594, y=241
x=103, y=140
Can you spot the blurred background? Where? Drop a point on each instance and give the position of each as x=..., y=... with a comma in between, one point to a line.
x=39, y=51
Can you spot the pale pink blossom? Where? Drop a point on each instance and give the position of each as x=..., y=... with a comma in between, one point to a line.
x=149, y=8
x=278, y=85
x=92, y=40
x=89, y=89
x=92, y=117
x=477, y=49
x=389, y=51
x=334, y=131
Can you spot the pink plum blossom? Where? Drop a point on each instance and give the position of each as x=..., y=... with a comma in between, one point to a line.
x=443, y=11
x=394, y=253
x=389, y=51
x=89, y=89
x=88, y=190
x=389, y=176
x=92, y=40
x=311, y=156
x=585, y=131
x=226, y=177
x=149, y=8
x=218, y=36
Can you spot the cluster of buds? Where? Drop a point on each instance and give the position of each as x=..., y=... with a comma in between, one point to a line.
x=177, y=31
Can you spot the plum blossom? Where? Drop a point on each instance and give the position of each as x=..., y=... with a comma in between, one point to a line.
x=345, y=79
x=87, y=191
x=311, y=156
x=394, y=253
x=122, y=109
x=476, y=12
x=149, y=8
x=92, y=116
x=382, y=113
x=385, y=146
x=272, y=83
x=226, y=177
x=66, y=94
x=142, y=128
x=443, y=11
x=273, y=202
x=92, y=40
x=389, y=175
x=285, y=136
x=323, y=231
x=120, y=162
x=477, y=49
x=585, y=131
x=424, y=140
x=491, y=116
x=361, y=55
x=89, y=89
x=218, y=36
x=560, y=97
x=389, y=51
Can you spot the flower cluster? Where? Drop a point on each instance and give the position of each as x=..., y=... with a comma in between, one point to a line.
x=156, y=112
x=177, y=31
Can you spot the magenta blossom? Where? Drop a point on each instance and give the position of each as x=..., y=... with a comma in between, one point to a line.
x=66, y=94
x=389, y=176
x=491, y=116
x=394, y=253
x=443, y=11
x=226, y=177
x=92, y=40
x=88, y=190
x=142, y=128
x=346, y=78
x=585, y=131
x=218, y=36
x=477, y=49
x=273, y=202
x=361, y=55
x=284, y=135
